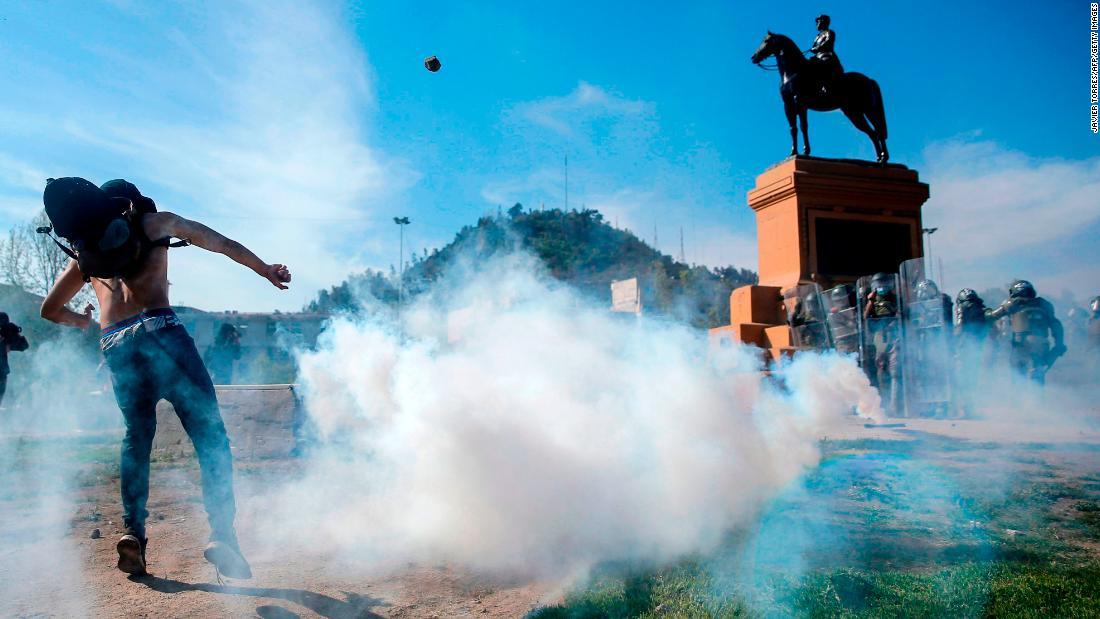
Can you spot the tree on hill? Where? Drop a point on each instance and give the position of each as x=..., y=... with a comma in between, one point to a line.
x=346, y=295
x=576, y=247
x=30, y=263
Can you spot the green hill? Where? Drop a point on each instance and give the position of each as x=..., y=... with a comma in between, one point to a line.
x=576, y=247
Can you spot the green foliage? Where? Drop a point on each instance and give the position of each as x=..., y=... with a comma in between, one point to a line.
x=347, y=295
x=576, y=247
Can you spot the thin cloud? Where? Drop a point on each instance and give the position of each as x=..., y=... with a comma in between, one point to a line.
x=21, y=197
x=1003, y=214
x=546, y=182
x=260, y=133
x=568, y=116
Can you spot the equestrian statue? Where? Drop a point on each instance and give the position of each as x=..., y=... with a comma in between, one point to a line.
x=819, y=83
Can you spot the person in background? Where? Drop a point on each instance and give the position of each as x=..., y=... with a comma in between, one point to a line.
x=11, y=340
x=880, y=313
x=1092, y=334
x=972, y=338
x=970, y=320
x=1033, y=324
x=223, y=354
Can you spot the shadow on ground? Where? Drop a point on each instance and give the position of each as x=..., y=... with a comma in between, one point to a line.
x=353, y=607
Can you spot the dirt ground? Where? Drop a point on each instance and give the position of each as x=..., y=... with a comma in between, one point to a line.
x=182, y=584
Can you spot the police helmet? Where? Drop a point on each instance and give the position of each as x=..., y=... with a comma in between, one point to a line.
x=1021, y=289
x=927, y=290
x=968, y=295
x=840, y=293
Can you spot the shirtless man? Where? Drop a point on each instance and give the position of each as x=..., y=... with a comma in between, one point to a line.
x=152, y=357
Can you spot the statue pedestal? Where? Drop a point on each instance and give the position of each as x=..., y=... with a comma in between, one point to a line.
x=831, y=221
x=823, y=221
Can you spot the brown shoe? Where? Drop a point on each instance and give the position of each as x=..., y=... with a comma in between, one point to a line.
x=131, y=555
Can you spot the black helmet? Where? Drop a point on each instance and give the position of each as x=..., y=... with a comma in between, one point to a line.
x=968, y=295
x=1021, y=289
x=824, y=19
x=927, y=290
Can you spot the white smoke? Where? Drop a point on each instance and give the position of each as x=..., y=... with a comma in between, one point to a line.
x=45, y=409
x=514, y=427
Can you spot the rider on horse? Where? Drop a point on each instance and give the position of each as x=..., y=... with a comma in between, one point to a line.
x=825, y=64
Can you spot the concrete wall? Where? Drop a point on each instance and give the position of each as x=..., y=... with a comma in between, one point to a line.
x=262, y=422
x=259, y=331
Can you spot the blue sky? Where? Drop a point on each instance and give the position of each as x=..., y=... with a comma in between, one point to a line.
x=302, y=128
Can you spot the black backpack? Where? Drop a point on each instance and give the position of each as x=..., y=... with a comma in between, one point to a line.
x=103, y=225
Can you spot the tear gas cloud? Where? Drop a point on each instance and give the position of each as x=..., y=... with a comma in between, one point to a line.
x=512, y=426
x=46, y=408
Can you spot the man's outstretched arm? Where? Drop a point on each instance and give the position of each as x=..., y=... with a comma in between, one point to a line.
x=64, y=289
x=199, y=235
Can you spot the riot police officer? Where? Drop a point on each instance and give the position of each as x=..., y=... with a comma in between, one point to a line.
x=970, y=321
x=1033, y=324
x=971, y=335
x=880, y=314
x=806, y=319
x=1092, y=331
x=843, y=324
x=928, y=359
x=927, y=290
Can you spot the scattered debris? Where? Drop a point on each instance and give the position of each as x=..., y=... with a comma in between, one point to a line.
x=96, y=534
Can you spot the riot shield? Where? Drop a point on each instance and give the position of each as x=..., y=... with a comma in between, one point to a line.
x=806, y=316
x=841, y=312
x=879, y=325
x=926, y=332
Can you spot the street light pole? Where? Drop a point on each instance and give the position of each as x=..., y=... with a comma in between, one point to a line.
x=401, y=222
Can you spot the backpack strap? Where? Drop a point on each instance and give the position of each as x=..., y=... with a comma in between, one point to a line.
x=68, y=252
x=166, y=242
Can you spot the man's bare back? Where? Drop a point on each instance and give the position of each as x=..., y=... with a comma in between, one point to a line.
x=121, y=298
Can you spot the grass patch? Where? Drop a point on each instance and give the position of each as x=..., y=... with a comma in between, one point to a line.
x=683, y=591
x=999, y=589
x=899, y=530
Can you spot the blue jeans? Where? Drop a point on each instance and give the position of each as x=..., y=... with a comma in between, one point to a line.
x=152, y=357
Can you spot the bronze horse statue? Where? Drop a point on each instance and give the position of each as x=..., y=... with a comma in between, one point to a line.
x=855, y=94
